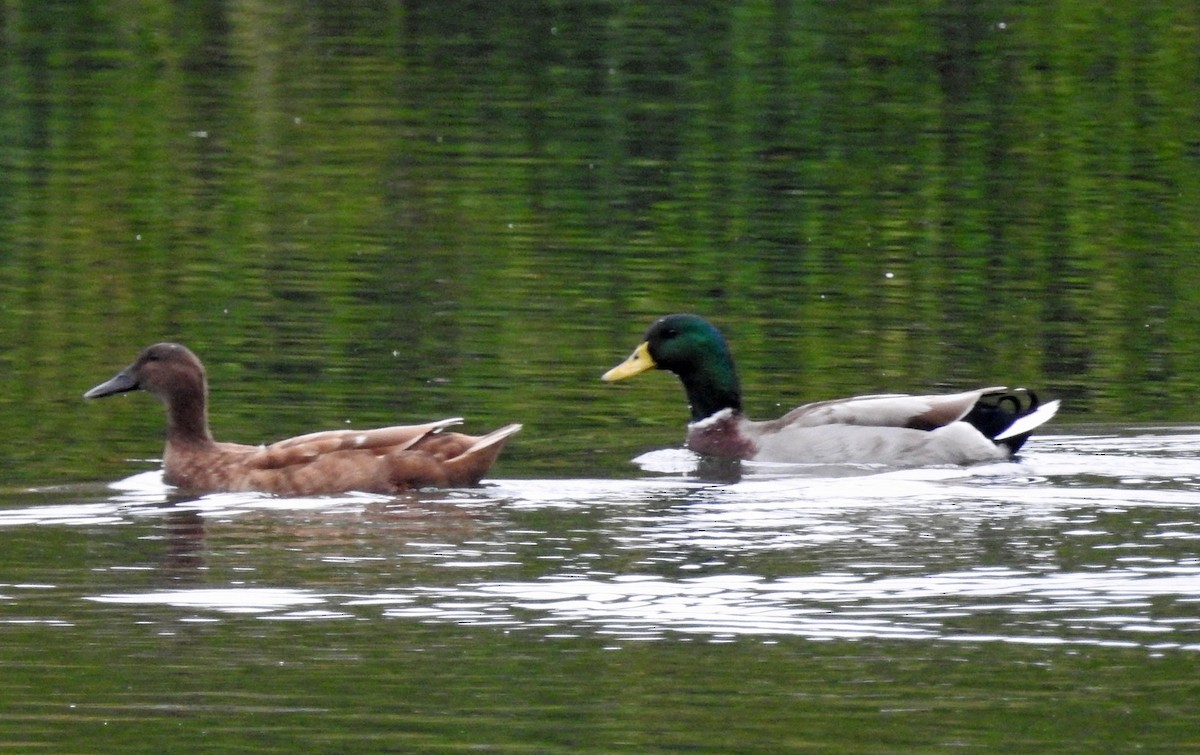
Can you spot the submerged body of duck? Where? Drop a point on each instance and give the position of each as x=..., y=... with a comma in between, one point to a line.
x=383, y=460
x=988, y=424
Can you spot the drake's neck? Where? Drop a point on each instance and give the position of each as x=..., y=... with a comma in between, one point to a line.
x=711, y=390
x=187, y=418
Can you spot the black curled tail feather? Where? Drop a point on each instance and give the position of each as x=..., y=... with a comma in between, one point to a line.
x=995, y=412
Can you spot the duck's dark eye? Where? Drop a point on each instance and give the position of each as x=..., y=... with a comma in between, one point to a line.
x=670, y=333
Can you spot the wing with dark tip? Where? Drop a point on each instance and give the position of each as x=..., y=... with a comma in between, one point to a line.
x=885, y=410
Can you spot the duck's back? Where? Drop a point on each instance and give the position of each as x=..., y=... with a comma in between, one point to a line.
x=336, y=462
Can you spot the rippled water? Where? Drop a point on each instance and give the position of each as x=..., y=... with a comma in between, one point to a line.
x=1086, y=547
x=1088, y=540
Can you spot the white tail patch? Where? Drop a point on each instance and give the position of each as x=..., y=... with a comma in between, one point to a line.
x=1039, y=416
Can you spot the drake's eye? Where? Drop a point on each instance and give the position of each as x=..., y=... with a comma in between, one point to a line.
x=670, y=333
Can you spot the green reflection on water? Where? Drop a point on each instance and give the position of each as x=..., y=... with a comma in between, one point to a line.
x=388, y=214
x=377, y=213
x=380, y=686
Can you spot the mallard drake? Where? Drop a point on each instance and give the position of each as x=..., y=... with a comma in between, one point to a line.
x=384, y=460
x=986, y=424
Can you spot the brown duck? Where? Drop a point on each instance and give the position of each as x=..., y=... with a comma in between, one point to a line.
x=383, y=460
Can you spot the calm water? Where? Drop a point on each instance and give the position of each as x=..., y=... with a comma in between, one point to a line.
x=1045, y=605
x=360, y=214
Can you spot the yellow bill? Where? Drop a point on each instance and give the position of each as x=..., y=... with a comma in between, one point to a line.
x=638, y=362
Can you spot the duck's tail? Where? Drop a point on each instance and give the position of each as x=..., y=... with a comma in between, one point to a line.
x=1008, y=417
x=493, y=438
x=469, y=467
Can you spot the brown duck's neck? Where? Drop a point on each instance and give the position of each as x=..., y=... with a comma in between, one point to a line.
x=187, y=418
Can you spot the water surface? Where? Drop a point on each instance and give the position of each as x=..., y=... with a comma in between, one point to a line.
x=362, y=214
x=850, y=608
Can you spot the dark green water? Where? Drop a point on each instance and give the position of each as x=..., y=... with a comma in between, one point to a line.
x=361, y=214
